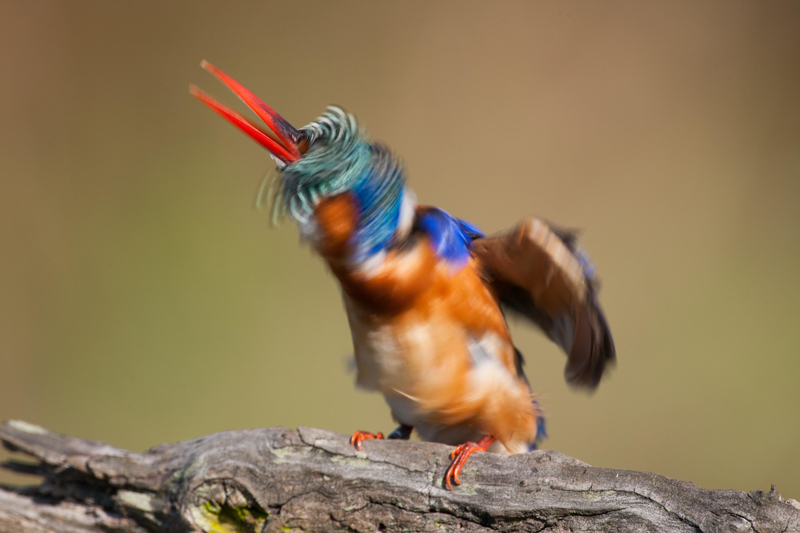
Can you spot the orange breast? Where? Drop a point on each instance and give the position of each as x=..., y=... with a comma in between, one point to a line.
x=434, y=342
x=444, y=358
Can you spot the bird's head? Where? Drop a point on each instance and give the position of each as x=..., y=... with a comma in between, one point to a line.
x=329, y=157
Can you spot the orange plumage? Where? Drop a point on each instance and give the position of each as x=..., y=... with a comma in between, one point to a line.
x=413, y=323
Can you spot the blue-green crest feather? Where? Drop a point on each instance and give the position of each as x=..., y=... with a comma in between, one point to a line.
x=341, y=159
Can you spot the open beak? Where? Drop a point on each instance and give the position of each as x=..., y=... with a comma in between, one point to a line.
x=289, y=145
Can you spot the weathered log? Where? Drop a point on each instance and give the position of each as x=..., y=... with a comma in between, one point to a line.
x=276, y=479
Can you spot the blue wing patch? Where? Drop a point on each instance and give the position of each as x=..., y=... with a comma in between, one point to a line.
x=450, y=237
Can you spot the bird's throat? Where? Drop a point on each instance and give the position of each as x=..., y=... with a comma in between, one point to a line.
x=336, y=220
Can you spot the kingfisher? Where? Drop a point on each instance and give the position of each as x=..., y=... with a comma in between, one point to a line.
x=426, y=294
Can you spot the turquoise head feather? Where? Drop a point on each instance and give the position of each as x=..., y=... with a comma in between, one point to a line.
x=340, y=159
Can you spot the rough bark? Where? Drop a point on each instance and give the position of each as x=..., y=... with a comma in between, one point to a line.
x=276, y=479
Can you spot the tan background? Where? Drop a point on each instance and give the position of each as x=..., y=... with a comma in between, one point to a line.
x=143, y=299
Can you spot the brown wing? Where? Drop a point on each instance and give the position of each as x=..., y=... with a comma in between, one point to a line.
x=536, y=271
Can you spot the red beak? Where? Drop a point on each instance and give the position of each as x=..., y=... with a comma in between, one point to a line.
x=286, y=148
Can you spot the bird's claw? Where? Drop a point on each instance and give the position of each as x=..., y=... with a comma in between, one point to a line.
x=360, y=436
x=459, y=458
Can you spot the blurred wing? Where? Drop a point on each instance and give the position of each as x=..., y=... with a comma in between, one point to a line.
x=537, y=272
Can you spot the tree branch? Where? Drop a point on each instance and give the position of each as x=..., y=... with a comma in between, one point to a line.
x=275, y=479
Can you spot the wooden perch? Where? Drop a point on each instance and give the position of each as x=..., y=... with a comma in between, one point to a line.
x=276, y=479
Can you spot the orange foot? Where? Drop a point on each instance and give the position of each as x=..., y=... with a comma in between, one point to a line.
x=360, y=436
x=459, y=457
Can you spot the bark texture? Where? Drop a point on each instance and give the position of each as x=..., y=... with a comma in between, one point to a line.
x=276, y=479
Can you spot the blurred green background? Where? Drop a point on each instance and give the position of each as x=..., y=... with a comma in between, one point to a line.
x=143, y=299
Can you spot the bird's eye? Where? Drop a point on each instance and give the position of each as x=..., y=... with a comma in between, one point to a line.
x=302, y=142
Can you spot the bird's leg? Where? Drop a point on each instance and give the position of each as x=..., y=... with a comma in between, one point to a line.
x=401, y=432
x=360, y=436
x=459, y=458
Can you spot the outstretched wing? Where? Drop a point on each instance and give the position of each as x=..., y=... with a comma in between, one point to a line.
x=537, y=272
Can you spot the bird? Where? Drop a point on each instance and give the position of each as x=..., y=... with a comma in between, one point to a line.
x=427, y=294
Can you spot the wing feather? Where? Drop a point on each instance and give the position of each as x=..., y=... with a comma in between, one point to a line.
x=537, y=271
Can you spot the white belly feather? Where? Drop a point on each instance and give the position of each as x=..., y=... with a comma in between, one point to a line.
x=401, y=362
